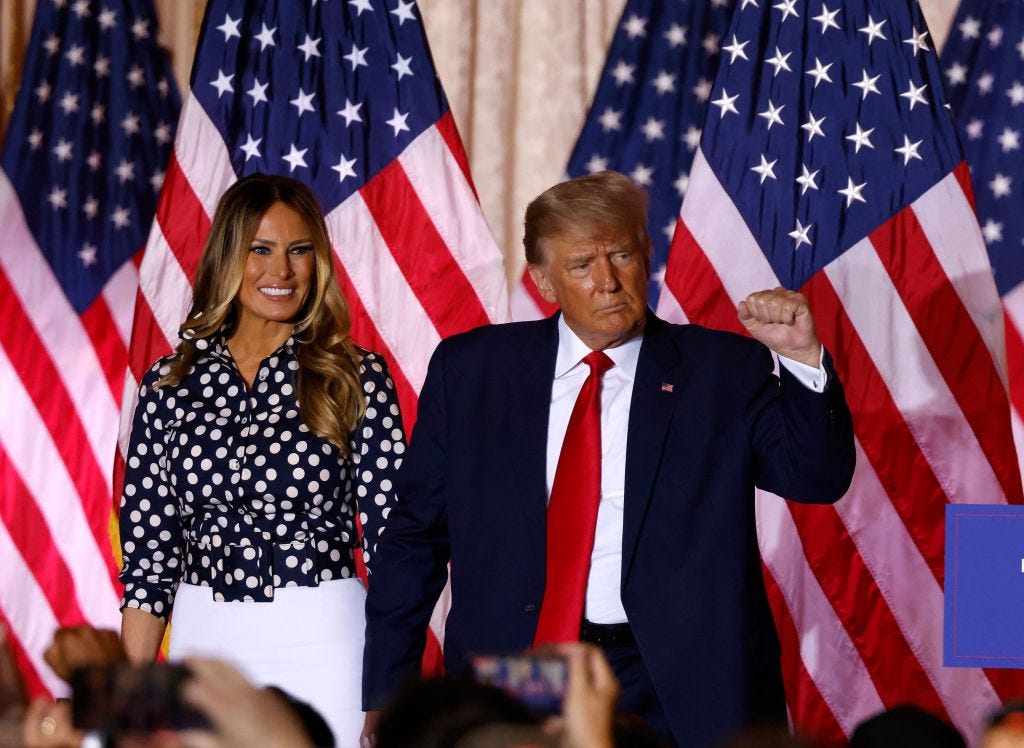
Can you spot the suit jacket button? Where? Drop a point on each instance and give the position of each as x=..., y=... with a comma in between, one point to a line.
x=530, y=608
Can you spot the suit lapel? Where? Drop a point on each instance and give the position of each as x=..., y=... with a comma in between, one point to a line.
x=658, y=384
x=529, y=382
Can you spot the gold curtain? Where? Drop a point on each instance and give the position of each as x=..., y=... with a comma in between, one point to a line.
x=519, y=75
x=15, y=22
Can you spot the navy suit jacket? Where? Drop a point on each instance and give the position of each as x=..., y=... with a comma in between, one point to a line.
x=473, y=489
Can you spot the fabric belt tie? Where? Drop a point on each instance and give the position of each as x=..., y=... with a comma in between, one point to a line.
x=243, y=550
x=572, y=513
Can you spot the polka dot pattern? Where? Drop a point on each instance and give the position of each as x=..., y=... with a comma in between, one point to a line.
x=226, y=487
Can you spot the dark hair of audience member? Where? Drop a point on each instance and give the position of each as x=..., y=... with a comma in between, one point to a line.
x=906, y=725
x=316, y=727
x=438, y=712
x=764, y=736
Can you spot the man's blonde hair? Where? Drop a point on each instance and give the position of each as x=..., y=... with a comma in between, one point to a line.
x=599, y=206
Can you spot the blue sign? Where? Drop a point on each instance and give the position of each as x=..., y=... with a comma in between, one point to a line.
x=984, y=623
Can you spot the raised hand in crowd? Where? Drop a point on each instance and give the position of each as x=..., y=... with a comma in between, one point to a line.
x=241, y=714
x=47, y=723
x=588, y=711
x=80, y=646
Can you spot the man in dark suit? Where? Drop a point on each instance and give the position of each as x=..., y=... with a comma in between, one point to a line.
x=592, y=476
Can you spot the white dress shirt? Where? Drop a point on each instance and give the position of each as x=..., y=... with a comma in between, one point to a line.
x=604, y=600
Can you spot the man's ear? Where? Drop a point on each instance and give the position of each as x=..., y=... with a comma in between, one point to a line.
x=540, y=278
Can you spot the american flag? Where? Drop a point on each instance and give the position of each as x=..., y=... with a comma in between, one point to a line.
x=82, y=165
x=983, y=66
x=829, y=163
x=646, y=116
x=344, y=96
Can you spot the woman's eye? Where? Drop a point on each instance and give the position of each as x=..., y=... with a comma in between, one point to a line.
x=260, y=249
x=302, y=250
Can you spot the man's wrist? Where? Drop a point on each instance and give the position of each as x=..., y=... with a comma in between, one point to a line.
x=813, y=376
x=806, y=356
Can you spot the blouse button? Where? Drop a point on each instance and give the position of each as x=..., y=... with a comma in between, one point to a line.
x=233, y=464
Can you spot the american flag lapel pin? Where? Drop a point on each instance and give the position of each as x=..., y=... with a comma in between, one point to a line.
x=666, y=387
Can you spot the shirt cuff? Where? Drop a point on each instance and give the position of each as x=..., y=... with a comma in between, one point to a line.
x=810, y=377
x=152, y=597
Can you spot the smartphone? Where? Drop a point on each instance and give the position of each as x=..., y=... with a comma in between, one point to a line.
x=538, y=681
x=125, y=698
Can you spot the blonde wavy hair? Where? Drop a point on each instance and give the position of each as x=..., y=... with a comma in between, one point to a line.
x=331, y=400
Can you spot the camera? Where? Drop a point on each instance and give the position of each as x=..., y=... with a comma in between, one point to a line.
x=126, y=698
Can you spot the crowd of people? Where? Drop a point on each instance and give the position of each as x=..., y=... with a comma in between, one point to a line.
x=438, y=712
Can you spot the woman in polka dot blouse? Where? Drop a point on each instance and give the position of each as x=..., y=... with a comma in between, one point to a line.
x=252, y=449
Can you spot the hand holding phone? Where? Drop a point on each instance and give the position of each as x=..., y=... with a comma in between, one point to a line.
x=48, y=725
x=126, y=698
x=591, y=697
x=74, y=647
x=240, y=714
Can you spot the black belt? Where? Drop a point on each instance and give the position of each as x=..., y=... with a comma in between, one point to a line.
x=607, y=634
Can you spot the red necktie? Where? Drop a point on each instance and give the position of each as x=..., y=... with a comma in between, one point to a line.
x=572, y=512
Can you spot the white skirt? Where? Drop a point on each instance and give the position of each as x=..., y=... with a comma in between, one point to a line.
x=308, y=642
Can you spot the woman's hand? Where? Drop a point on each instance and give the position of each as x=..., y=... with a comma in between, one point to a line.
x=141, y=635
x=368, y=737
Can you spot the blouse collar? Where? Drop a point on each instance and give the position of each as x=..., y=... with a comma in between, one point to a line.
x=216, y=345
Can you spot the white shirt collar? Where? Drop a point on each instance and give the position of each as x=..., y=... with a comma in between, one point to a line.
x=572, y=350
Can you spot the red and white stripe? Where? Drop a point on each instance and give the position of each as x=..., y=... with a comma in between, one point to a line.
x=411, y=277
x=61, y=374
x=856, y=588
x=1013, y=316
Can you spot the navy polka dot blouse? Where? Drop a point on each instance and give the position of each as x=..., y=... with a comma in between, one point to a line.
x=226, y=487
